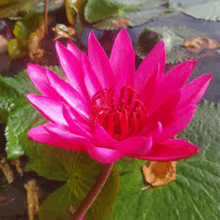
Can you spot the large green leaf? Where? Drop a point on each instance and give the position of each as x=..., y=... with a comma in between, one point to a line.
x=10, y=8
x=174, y=38
x=23, y=115
x=84, y=172
x=203, y=9
x=136, y=11
x=195, y=194
x=8, y=98
x=57, y=204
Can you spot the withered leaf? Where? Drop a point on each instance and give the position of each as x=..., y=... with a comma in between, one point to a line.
x=159, y=173
x=197, y=44
x=32, y=198
x=5, y=167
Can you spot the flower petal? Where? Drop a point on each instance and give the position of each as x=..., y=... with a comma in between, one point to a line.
x=100, y=63
x=38, y=76
x=134, y=146
x=193, y=92
x=69, y=94
x=90, y=79
x=176, y=78
x=149, y=66
x=164, y=114
x=122, y=59
x=54, y=136
x=103, y=155
x=50, y=108
x=74, y=49
x=179, y=122
x=179, y=75
x=75, y=125
x=72, y=69
x=149, y=89
x=103, y=137
x=173, y=149
x=156, y=133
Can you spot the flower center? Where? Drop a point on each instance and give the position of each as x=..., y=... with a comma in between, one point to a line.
x=122, y=119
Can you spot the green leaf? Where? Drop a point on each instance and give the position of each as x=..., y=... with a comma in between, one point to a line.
x=204, y=9
x=174, y=38
x=20, y=30
x=57, y=204
x=137, y=11
x=8, y=95
x=53, y=168
x=20, y=120
x=195, y=194
x=15, y=48
x=84, y=172
x=10, y=8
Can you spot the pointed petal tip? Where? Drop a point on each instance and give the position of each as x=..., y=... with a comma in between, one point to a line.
x=92, y=36
x=58, y=46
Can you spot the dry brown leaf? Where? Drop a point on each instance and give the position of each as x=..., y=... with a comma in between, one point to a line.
x=6, y=170
x=17, y=164
x=121, y=22
x=32, y=198
x=159, y=173
x=34, y=40
x=197, y=44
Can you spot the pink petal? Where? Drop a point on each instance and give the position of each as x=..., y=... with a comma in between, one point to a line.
x=156, y=133
x=69, y=94
x=103, y=155
x=50, y=108
x=74, y=49
x=76, y=126
x=171, y=150
x=164, y=114
x=72, y=69
x=54, y=135
x=100, y=63
x=38, y=76
x=122, y=59
x=90, y=79
x=103, y=137
x=193, y=92
x=134, y=146
x=170, y=82
x=181, y=120
x=149, y=89
x=179, y=74
x=149, y=66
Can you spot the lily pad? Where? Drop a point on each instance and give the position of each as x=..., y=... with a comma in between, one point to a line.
x=203, y=9
x=195, y=194
x=10, y=8
x=174, y=38
x=75, y=190
x=102, y=14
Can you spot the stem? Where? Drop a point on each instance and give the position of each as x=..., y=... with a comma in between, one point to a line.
x=45, y=16
x=92, y=195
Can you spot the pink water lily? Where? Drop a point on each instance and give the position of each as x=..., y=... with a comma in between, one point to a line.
x=110, y=110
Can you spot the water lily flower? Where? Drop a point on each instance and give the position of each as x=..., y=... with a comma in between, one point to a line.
x=110, y=110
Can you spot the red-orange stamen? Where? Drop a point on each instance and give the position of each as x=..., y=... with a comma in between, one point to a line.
x=122, y=120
